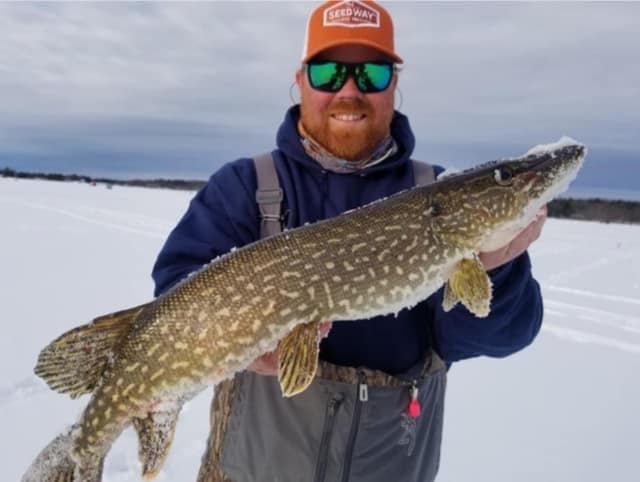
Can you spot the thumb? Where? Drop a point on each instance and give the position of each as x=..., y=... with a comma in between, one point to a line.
x=325, y=328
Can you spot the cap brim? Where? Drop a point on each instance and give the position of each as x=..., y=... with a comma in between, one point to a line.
x=392, y=55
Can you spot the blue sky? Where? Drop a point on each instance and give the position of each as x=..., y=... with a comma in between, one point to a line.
x=177, y=89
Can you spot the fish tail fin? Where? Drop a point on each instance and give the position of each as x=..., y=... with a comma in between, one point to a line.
x=55, y=464
x=155, y=435
x=74, y=362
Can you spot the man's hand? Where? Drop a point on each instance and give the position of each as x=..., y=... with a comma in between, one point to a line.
x=267, y=364
x=517, y=246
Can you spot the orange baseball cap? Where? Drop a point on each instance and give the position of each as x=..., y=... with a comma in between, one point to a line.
x=349, y=22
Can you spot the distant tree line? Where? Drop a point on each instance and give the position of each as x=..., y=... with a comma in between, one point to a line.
x=186, y=185
x=604, y=210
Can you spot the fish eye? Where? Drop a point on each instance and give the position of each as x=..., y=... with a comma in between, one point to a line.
x=503, y=176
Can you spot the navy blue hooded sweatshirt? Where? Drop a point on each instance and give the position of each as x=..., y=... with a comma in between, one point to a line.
x=224, y=214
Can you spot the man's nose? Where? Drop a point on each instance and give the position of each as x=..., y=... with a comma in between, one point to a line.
x=350, y=89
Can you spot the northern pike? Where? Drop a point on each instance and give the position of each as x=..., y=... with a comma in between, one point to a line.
x=142, y=364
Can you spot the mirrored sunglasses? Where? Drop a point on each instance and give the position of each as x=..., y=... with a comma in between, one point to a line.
x=370, y=77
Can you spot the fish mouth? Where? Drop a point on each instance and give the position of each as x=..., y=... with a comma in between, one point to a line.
x=547, y=170
x=563, y=163
x=544, y=161
x=548, y=173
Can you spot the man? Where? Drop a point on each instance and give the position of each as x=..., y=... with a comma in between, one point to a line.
x=374, y=412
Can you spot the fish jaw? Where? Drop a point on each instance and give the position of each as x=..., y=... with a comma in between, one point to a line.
x=504, y=235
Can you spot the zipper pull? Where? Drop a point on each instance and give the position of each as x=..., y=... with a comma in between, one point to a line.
x=414, y=403
x=363, y=389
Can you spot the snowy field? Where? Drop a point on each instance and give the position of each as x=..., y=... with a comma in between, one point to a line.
x=566, y=409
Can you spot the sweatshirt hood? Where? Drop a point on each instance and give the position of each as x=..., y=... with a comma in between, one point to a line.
x=288, y=141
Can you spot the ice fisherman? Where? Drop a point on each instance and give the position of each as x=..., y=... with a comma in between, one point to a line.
x=375, y=411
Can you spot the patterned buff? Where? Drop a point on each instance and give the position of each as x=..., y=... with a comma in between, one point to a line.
x=387, y=148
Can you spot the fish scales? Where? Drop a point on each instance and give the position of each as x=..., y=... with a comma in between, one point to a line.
x=371, y=261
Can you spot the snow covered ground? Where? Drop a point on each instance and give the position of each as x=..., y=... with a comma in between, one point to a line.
x=565, y=409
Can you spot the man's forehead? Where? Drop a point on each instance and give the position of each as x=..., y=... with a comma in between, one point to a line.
x=352, y=53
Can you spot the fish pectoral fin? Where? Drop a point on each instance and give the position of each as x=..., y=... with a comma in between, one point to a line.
x=74, y=362
x=469, y=283
x=298, y=358
x=155, y=435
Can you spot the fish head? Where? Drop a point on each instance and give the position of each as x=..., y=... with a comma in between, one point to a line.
x=485, y=207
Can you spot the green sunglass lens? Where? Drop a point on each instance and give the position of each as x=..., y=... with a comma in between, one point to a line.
x=374, y=77
x=326, y=76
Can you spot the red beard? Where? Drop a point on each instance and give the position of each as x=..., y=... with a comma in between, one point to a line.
x=346, y=140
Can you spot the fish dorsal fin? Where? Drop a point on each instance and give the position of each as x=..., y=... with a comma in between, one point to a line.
x=74, y=362
x=155, y=435
x=470, y=285
x=298, y=358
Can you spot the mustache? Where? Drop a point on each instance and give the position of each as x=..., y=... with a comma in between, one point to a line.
x=347, y=104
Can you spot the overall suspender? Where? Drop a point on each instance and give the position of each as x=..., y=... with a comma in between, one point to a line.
x=268, y=195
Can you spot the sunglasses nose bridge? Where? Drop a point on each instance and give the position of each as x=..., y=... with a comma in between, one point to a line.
x=350, y=86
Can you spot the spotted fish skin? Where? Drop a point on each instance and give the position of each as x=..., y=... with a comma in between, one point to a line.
x=142, y=364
